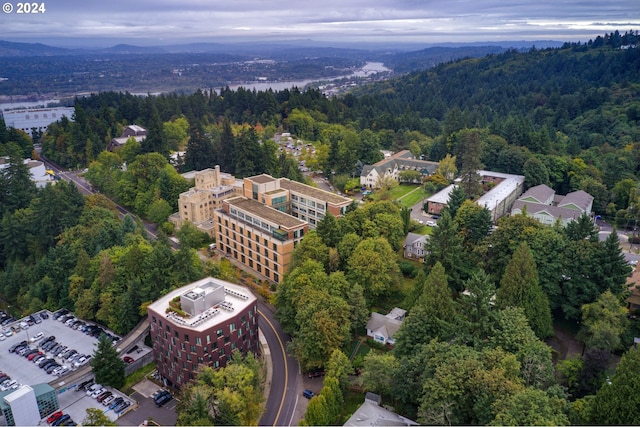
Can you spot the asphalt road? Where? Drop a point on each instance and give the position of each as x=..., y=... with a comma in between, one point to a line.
x=286, y=383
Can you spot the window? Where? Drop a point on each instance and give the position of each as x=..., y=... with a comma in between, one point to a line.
x=208, y=339
x=232, y=327
x=219, y=332
x=193, y=349
x=186, y=338
x=198, y=341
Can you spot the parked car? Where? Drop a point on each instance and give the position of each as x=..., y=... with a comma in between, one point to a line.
x=116, y=402
x=85, y=384
x=14, y=347
x=124, y=405
x=60, y=420
x=37, y=337
x=54, y=417
x=316, y=373
x=127, y=359
x=44, y=315
x=134, y=348
x=160, y=394
x=34, y=355
x=104, y=396
x=308, y=394
x=107, y=400
x=93, y=388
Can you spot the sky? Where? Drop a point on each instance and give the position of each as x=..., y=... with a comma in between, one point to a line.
x=158, y=22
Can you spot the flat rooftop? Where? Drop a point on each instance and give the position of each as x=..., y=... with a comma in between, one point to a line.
x=266, y=212
x=236, y=298
x=314, y=192
x=262, y=179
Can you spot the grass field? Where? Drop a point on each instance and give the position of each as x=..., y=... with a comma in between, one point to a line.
x=413, y=197
x=136, y=377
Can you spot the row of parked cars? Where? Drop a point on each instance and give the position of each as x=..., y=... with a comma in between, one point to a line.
x=104, y=396
x=44, y=356
x=6, y=383
x=59, y=418
x=67, y=318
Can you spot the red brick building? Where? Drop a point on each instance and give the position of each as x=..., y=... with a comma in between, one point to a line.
x=201, y=324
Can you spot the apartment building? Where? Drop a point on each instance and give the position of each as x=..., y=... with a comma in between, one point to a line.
x=259, y=236
x=202, y=323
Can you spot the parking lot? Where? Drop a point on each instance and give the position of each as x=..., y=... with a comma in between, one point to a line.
x=24, y=371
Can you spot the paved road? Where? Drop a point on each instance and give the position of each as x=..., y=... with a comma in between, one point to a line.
x=286, y=380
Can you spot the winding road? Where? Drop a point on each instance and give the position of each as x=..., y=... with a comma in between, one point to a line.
x=283, y=394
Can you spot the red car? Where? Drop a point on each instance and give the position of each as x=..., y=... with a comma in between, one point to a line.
x=32, y=356
x=53, y=417
x=127, y=359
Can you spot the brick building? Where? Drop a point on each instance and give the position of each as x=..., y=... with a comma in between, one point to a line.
x=201, y=324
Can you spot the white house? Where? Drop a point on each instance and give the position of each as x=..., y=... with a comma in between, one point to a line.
x=414, y=246
x=393, y=165
x=382, y=327
x=541, y=203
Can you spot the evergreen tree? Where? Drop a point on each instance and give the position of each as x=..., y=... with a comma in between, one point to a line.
x=582, y=229
x=445, y=246
x=107, y=366
x=614, y=268
x=200, y=152
x=16, y=187
x=430, y=318
x=329, y=230
x=618, y=401
x=155, y=141
x=520, y=288
x=469, y=154
x=456, y=199
x=226, y=149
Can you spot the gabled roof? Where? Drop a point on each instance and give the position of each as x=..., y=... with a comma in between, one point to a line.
x=401, y=158
x=384, y=325
x=371, y=414
x=540, y=193
x=579, y=199
x=414, y=237
x=554, y=211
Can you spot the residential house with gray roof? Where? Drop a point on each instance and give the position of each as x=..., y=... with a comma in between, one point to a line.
x=383, y=327
x=541, y=202
x=393, y=165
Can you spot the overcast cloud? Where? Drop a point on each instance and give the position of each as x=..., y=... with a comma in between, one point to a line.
x=421, y=21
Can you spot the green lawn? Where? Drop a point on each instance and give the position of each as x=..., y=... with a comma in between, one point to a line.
x=402, y=190
x=136, y=377
x=413, y=197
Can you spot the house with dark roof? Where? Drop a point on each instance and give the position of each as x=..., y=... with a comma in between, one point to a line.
x=383, y=327
x=414, y=246
x=541, y=202
x=132, y=131
x=393, y=165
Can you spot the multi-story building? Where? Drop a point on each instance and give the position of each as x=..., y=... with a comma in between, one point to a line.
x=262, y=228
x=197, y=205
x=259, y=236
x=503, y=191
x=201, y=324
x=308, y=203
x=393, y=165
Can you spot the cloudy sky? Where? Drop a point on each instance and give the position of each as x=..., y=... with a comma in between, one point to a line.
x=416, y=21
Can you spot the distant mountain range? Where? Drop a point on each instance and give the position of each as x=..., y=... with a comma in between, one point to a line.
x=295, y=47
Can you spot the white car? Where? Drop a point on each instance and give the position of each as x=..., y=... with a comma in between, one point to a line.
x=431, y=223
x=98, y=392
x=37, y=337
x=93, y=388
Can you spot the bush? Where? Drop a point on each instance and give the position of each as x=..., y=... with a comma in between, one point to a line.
x=407, y=268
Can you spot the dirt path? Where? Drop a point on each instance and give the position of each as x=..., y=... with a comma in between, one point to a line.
x=564, y=343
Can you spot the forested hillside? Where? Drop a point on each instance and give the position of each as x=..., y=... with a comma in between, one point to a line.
x=565, y=117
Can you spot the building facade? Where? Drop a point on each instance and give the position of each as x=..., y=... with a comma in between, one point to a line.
x=504, y=190
x=258, y=236
x=543, y=204
x=27, y=405
x=393, y=165
x=198, y=204
x=201, y=324
x=36, y=118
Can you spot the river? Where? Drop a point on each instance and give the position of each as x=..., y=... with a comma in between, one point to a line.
x=366, y=70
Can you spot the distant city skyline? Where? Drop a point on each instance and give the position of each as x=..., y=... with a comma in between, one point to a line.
x=158, y=22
